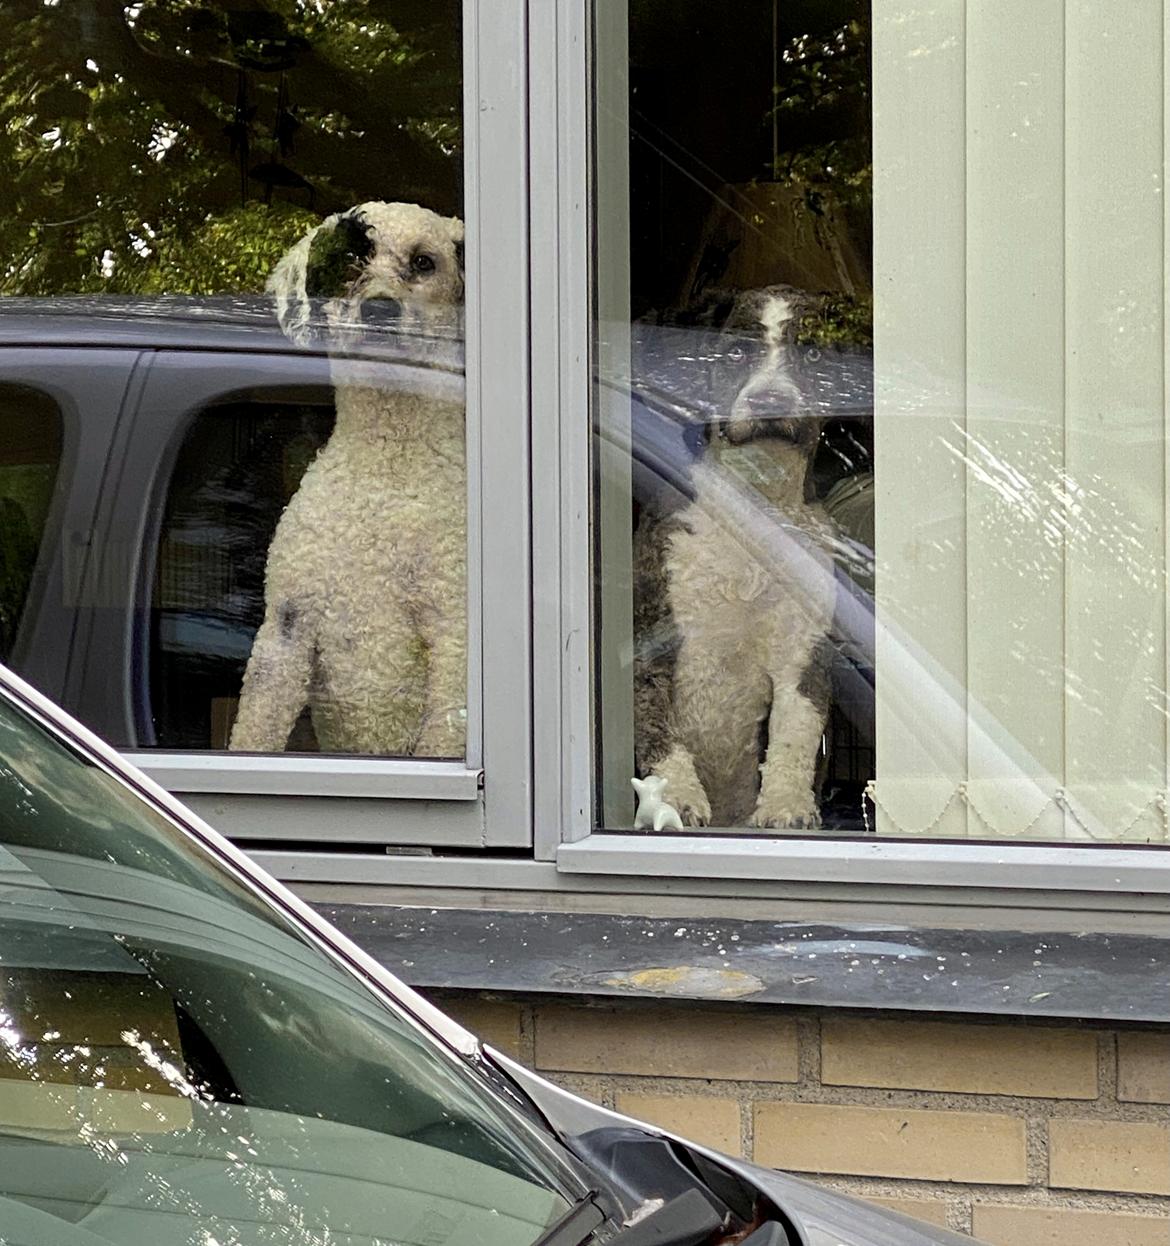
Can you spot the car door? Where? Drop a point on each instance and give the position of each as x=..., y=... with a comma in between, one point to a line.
x=61, y=406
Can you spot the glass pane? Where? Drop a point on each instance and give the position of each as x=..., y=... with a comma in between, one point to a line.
x=178, y=1065
x=880, y=419
x=269, y=195
x=30, y=454
x=733, y=412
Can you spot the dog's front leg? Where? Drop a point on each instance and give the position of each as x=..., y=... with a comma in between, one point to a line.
x=443, y=732
x=276, y=681
x=800, y=704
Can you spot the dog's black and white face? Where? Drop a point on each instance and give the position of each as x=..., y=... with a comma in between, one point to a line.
x=397, y=257
x=773, y=400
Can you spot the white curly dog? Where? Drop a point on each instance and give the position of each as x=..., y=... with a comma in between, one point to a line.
x=365, y=614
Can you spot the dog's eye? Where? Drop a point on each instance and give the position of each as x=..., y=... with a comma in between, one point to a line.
x=423, y=263
x=736, y=354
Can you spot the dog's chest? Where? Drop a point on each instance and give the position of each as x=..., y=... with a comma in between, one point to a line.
x=383, y=526
x=736, y=597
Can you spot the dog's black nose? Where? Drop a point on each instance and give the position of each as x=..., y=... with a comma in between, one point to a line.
x=772, y=402
x=380, y=311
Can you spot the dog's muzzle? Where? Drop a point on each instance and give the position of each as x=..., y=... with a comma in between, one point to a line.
x=770, y=412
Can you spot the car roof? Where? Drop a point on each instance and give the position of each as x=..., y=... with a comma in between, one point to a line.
x=223, y=322
x=233, y=323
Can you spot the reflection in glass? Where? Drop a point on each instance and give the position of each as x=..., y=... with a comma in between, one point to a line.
x=179, y=1066
x=733, y=433
x=30, y=455
x=180, y=147
x=237, y=470
x=189, y=170
x=985, y=507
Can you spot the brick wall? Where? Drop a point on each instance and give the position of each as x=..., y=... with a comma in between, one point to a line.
x=1022, y=1135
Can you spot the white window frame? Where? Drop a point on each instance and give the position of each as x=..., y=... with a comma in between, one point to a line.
x=485, y=799
x=561, y=144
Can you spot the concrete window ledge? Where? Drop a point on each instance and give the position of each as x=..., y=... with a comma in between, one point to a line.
x=1086, y=976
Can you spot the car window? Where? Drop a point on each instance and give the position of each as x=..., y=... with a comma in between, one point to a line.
x=30, y=454
x=239, y=466
x=178, y=1064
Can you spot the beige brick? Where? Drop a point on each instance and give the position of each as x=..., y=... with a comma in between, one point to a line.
x=1143, y=1068
x=702, y=1118
x=1127, y=1157
x=891, y=1142
x=584, y=1087
x=932, y=1210
x=970, y=1059
x=495, y=1022
x=1000, y=1225
x=667, y=1043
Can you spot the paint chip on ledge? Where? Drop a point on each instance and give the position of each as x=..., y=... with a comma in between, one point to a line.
x=690, y=981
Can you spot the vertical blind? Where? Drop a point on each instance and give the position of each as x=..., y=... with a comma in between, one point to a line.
x=1020, y=418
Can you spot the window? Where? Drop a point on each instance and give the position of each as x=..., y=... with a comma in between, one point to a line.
x=358, y=573
x=734, y=432
x=1021, y=350
x=30, y=455
x=258, y=221
x=156, y=1012
x=205, y=151
x=803, y=409
x=879, y=440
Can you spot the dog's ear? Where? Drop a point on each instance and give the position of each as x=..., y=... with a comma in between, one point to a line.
x=286, y=283
x=338, y=251
x=321, y=265
x=455, y=225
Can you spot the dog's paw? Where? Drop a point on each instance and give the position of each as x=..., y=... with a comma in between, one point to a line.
x=684, y=789
x=800, y=814
x=689, y=798
x=695, y=812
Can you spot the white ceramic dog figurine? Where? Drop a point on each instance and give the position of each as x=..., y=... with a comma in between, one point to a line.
x=654, y=810
x=365, y=587
x=733, y=600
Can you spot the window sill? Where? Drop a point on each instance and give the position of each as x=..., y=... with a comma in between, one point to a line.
x=1037, y=867
x=307, y=775
x=1084, y=976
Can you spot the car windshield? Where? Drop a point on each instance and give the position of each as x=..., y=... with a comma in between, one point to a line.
x=179, y=1064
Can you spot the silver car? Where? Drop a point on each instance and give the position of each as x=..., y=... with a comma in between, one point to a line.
x=189, y=1054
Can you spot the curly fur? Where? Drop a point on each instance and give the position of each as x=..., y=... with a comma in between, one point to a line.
x=733, y=603
x=365, y=586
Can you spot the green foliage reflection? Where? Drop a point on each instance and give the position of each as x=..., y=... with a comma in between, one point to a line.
x=179, y=146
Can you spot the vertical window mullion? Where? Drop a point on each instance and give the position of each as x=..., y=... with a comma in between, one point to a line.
x=495, y=163
x=559, y=106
